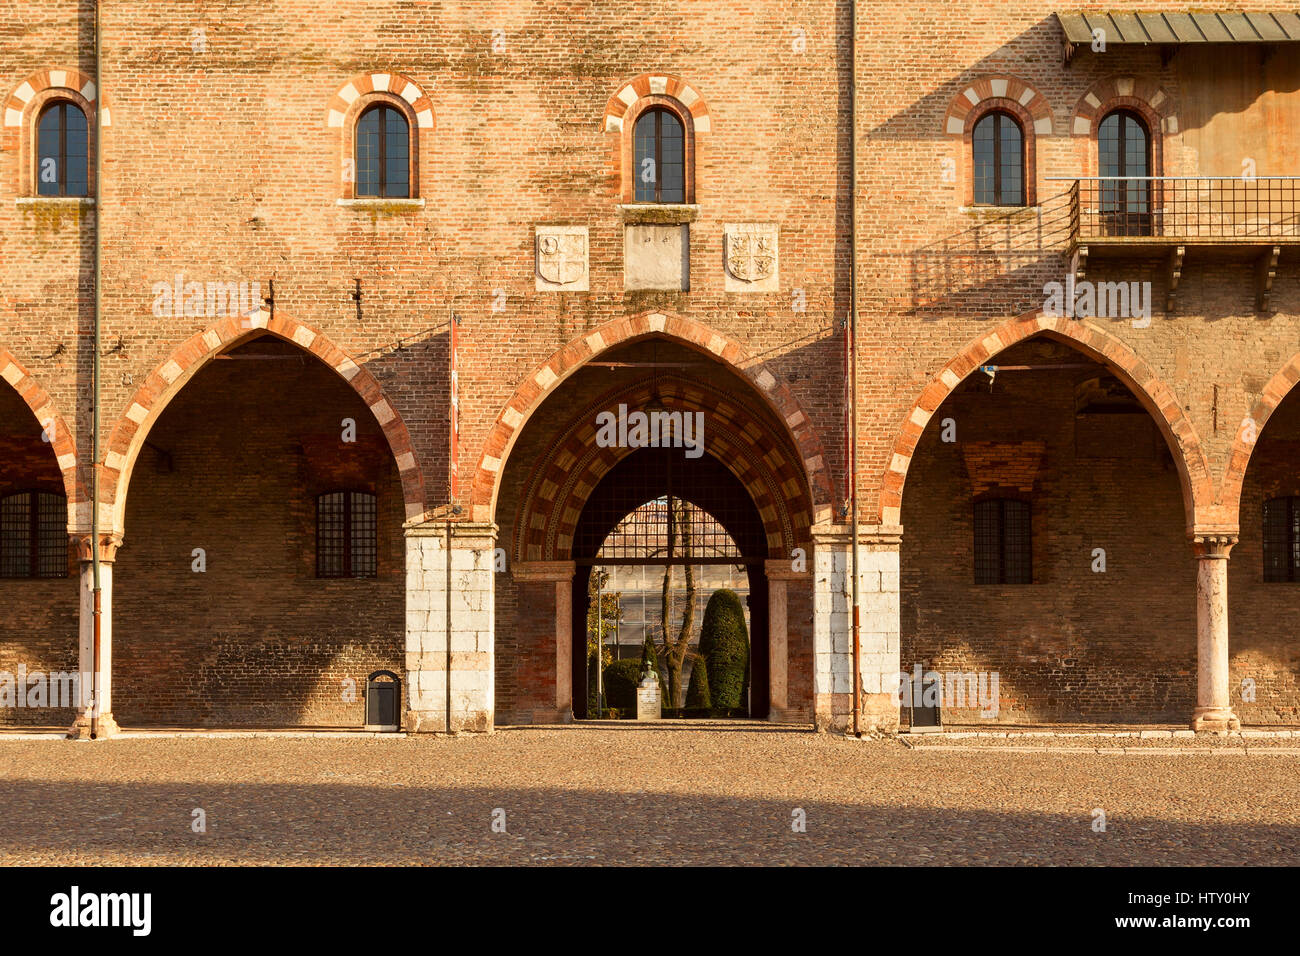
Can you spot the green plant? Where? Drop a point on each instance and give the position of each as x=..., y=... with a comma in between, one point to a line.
x=697, y=691
x=621, y=678
x=724, y=643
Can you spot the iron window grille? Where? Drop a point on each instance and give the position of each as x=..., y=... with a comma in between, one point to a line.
x=383, y=153
x=62, y=151
x=1003, y=542
x=998, y=153
x=347, y=538
x=34, y=535
x=1282, y=539
x=659, y=155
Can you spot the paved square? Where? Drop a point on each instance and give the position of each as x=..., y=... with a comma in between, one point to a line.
x=626, y=795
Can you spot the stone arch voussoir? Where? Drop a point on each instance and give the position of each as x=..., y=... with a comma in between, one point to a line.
x=1156, y=395
x=162, y=385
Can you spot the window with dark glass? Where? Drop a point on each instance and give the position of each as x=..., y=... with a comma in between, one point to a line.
x=999, y=161
x=383, y=153
x=660, y=157
x=1282, y=539
x=347, y=542
x=34, y=535
x=1124, y=150
x=61, y=151
x=1003, y=537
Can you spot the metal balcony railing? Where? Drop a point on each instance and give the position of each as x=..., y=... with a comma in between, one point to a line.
x=1178, y=209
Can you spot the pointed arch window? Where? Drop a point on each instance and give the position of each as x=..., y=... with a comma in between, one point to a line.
x=998, y=160
x=1124, y=163
x=62, y=150
x=659, y=157
x=383, y=153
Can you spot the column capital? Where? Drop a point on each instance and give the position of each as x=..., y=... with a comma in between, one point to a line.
x=108, y=545
x=544, y=570
x=829, y=533
x=1213, y=545
x=465, y=533
x=782, y=569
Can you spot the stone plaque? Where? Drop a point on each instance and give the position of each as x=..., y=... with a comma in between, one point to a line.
x=562, y=261
x=750, y=257
x=657, y=256
x=647, y=699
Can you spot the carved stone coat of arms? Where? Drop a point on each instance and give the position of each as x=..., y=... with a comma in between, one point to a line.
x=562, y=258
x=751, y=257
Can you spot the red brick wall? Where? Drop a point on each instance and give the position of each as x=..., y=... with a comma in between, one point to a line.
x=1075, y=645
x=221, y=164
x=1262, y=617
x=38, y=617
x=257, y=639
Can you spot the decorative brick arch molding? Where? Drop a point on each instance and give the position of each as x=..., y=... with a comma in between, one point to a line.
x=43, y=407
x=167, y=380
x=33, y=90
x=1154, y=394
x=993, y=91
x=1143, y=96
x=656, y=84
x=765, y=463
x=545, y=379
x=1248, y=432
x=360, y=86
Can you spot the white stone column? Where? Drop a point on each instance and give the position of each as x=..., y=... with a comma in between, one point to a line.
x=560, y=573
x=878, y=596
x=96, y=704
x=1213, y=700
x=780, y=573
x=472, y=598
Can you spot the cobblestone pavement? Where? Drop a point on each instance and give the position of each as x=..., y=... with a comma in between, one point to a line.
x=619, y=795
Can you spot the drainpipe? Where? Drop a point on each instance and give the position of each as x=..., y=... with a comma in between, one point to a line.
x=853, y=360
x=94, y=378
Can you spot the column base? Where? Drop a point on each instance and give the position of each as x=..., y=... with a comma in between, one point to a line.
x=105, y=728
x=1215, y=720
x=435, y=722
x=834, y=714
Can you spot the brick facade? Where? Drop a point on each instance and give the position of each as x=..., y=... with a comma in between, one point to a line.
x=229, y=158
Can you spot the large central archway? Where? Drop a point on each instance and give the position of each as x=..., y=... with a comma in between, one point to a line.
x=563, y=490
x=663, y=477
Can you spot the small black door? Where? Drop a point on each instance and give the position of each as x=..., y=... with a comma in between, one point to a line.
x=382, y=699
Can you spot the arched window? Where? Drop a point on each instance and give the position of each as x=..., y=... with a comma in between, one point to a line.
x=347, y=538
x=61, y=150
x=1282, y=539
x=383, y=153
x=659, y=157
x=998, y=158
x=1123, y=153
x=1003, y=542
x=34, y=535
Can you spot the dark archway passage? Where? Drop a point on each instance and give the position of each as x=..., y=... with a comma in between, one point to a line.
x=650, y=474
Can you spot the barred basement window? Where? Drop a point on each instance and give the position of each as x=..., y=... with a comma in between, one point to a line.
x=347, y=541
x=1003, y=537
x=999, y=161
x=1282, y=539
x=34, y=535
x=383, y=153
x=61, y=151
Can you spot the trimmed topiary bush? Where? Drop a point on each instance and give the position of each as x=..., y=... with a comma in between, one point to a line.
x=697, y=691
x=724, y=643
x=621, y=678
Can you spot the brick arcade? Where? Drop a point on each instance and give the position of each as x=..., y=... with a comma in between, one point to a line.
x=1102, y=509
